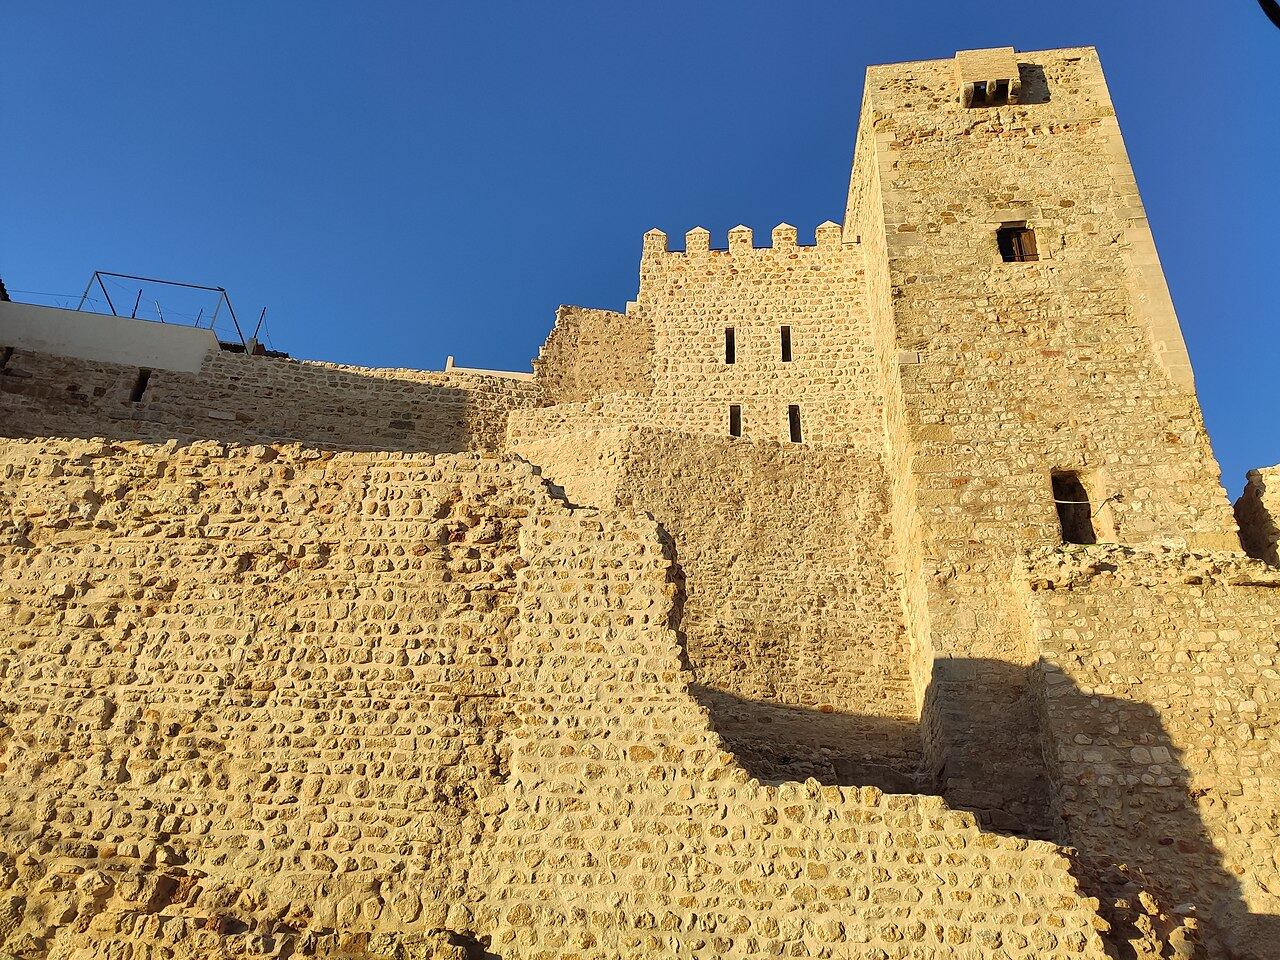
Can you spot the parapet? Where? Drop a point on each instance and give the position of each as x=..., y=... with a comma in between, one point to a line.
x=741, y=241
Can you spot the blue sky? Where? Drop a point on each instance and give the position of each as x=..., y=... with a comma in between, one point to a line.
x=401, y=181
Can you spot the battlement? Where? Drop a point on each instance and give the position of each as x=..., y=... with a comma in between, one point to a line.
x=741, y=241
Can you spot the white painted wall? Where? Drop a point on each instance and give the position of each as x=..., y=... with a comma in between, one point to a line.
x=108, y=339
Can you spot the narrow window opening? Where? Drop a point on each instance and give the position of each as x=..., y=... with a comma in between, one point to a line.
x=991, y=93
x=786, y=344
x=793, y=423
x=735, y=420
x=1017, y=243
x=730, y=345
x=140, y=386
x=5, y=357
x=1075, y=513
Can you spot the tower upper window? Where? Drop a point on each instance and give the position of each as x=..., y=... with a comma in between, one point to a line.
x=1017, y=243
x=793, y=423
x=730, y=345
x=735, y=420
x=988, y=78
x=786, y=344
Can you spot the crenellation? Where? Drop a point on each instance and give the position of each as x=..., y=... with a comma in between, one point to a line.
x=874, y=597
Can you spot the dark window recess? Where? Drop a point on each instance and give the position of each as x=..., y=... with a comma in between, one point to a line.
x=730, y=345
x=140, y=386
x=793, y=423
x=735, y=420
x=786, y=344
x=990, y=93
x=1075, y=514
x=5, y=356
x=1017, y=243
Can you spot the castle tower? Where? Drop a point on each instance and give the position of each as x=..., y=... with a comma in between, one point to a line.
x=1036, y=384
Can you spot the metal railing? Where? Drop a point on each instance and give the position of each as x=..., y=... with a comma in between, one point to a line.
x=223, y=298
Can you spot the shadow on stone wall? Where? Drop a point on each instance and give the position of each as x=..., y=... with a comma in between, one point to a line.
x=1030, y=759
x=980, y=726
x=776, y=743
x=1035, y=86
x=1128, y=805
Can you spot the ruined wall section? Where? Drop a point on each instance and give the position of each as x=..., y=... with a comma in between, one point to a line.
x=251, y=399
x=1258, y=513
x=692, y=296
x=790, y=613
x=591, y=353
x=1161, y=686
x=273, y=700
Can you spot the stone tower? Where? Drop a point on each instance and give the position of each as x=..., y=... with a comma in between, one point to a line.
x=1004, y=367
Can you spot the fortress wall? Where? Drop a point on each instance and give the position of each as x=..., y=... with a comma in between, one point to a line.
x=249, y=687
x=590, y=353
x=690, y=297
x=275, y=700
x=1258, y=513
x=1162, y=700
x=1008, y=371
x=254, y=399
x=790, y=589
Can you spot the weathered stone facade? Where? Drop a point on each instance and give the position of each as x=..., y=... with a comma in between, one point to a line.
x=744, y=627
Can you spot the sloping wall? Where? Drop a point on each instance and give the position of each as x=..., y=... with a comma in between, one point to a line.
x=590, y=353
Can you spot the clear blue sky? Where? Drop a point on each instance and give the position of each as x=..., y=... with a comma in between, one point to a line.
x=401, y=181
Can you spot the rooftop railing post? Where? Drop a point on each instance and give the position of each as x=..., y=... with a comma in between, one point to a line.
x=98, y=275
x=232, y=311
x=85, y=296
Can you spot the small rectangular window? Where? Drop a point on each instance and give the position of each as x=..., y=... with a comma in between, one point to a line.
x=730, y=345
x=735, y=420
x=1075, y=514
x=786, y=344
x=986, y=93
x=793, y=423
x=140, y=386
x=1017, y=243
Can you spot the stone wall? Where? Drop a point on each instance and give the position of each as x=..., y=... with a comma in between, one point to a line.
x=253, y=399
x=692, y=296
x=1258, y=513
x=1162, y=714
x=590, y=353
x=612, y=411
x=790, y=612
x=275, y=701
